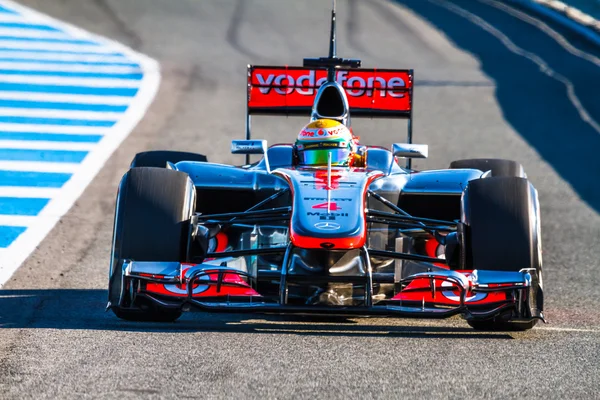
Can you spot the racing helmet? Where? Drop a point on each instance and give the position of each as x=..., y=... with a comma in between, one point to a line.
x=322, y=137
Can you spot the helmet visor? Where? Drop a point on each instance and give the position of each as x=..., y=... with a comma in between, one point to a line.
x=339, y=156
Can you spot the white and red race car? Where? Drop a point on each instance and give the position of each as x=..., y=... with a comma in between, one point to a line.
x=377, y=238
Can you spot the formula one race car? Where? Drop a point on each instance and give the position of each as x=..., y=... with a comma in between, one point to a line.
x=327, y=225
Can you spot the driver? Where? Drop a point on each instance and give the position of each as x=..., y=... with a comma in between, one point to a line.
x=323, y=137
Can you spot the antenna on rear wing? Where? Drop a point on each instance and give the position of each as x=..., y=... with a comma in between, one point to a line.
x=332, y=48
x=332, y=45
x=333, y=61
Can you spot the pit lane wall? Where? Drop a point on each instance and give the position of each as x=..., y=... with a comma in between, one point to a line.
x=68, y=98
x=581, y=16
x=585, y=11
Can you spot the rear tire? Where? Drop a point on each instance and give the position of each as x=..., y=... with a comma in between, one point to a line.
x=498, y=166
x=502, y=233
x=159, y=158
x=154, y=206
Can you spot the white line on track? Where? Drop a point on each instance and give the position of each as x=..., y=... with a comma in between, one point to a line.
x=67, y=81
x=66, y=98
x=83, y=130
x=33, y=166
x=49, y=56
x=28, y=192
x=558, y=329
x=68, y=114
x=15, y=296
x=43, y=145
x=99, y=69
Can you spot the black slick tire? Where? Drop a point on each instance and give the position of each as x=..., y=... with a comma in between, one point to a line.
x=499, y=167
x=502, y=234
x=159, y=158
x=499, y=324
x=154, y=206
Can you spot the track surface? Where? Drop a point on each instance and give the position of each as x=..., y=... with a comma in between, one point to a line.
x=478, y=93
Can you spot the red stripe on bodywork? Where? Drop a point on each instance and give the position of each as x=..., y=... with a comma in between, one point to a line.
x=419, y=290
x=431, y=246
x=180, y=290
x=222, y=242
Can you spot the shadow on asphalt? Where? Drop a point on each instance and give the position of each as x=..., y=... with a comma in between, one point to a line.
x=84, y=309
x=536, y=105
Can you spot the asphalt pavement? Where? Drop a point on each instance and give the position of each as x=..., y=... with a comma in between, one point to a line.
x=491, y=81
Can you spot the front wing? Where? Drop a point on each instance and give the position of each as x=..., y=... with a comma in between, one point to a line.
x=435, y=294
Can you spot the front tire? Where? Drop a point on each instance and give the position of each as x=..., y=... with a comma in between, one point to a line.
x=154, y=207
x=502, y=233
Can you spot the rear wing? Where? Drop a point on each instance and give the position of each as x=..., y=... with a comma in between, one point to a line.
x=372, y=93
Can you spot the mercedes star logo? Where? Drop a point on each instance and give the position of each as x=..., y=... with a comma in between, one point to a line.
x=327, y=226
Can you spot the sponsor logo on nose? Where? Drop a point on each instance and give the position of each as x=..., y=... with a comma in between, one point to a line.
x=327, y=226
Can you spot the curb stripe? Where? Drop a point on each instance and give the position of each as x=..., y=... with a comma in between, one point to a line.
x=52, y=137
x=22, y=205
x=62, y=156
x=74, y=130
x=24, y=87
x=17, y=45
x=33, y=65
x=53, y=57
x=49, y=105
x=7, y=10
x=54, y=121
x=39, y=166
x=9, y=234
x=19, y=220
x=59, y=114
x=54, y=80
x=44, y=145
x=34, y=58
x=28, y=192
x=68, y=98
x=97, y=75
x=48, y=40
x=22, y=25
x=33, y=179
x=32, y=33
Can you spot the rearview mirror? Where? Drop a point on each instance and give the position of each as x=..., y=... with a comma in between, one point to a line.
x=248, y=147
x=407, y=150
x=251, y=147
